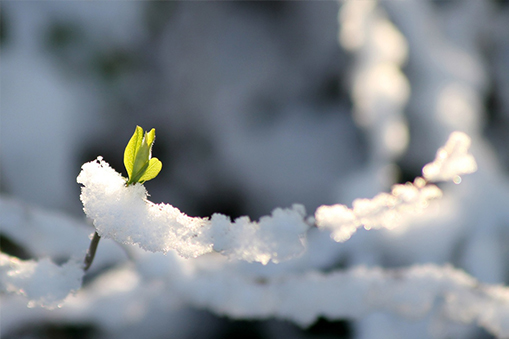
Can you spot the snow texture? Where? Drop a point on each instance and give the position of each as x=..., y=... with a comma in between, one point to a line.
x=42, y=282
x=124, y=214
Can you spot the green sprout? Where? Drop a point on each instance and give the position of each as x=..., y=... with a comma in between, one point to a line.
x=140, y=167
x=138, y=159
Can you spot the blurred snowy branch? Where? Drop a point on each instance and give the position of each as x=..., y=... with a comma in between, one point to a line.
x=352, y=294
x=42, y=282
x=388, y=210
x=379, y=90
x=452, y=160
x=384, y=210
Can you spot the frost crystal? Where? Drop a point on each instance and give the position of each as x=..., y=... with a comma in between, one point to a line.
x=125, y=215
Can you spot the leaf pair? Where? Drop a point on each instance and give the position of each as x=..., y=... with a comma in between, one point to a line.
x=138, y=159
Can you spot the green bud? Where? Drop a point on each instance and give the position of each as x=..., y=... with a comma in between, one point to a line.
x=138, y=159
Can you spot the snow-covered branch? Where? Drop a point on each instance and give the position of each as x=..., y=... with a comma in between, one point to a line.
x=383, y=211
x=42, y=282
x=388, y=210
x=124, y=214
x=452, y=160
x=352, y=294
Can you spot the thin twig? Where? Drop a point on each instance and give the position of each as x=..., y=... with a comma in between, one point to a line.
x=91, y=251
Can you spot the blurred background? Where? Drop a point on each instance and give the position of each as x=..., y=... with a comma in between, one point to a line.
x=256, y=105
x=247, y=98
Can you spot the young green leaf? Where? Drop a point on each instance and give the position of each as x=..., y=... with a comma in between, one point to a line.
x=141, y=159
x=131, y=150
x=150, y=137
x=137, y=157
x=153, y=169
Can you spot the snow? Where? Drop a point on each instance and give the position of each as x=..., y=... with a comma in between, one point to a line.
x=383, y=211
x=389, y=210
x=42, y=282
x=410, y=292
x=452, y=160
x=55, y=238
x=124, y=214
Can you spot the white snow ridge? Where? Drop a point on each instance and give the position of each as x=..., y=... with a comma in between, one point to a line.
x=125, y=215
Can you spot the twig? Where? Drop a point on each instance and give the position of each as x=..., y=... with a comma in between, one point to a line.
x=91, y=251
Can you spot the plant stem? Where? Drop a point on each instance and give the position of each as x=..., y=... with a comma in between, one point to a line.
x=91, y=251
